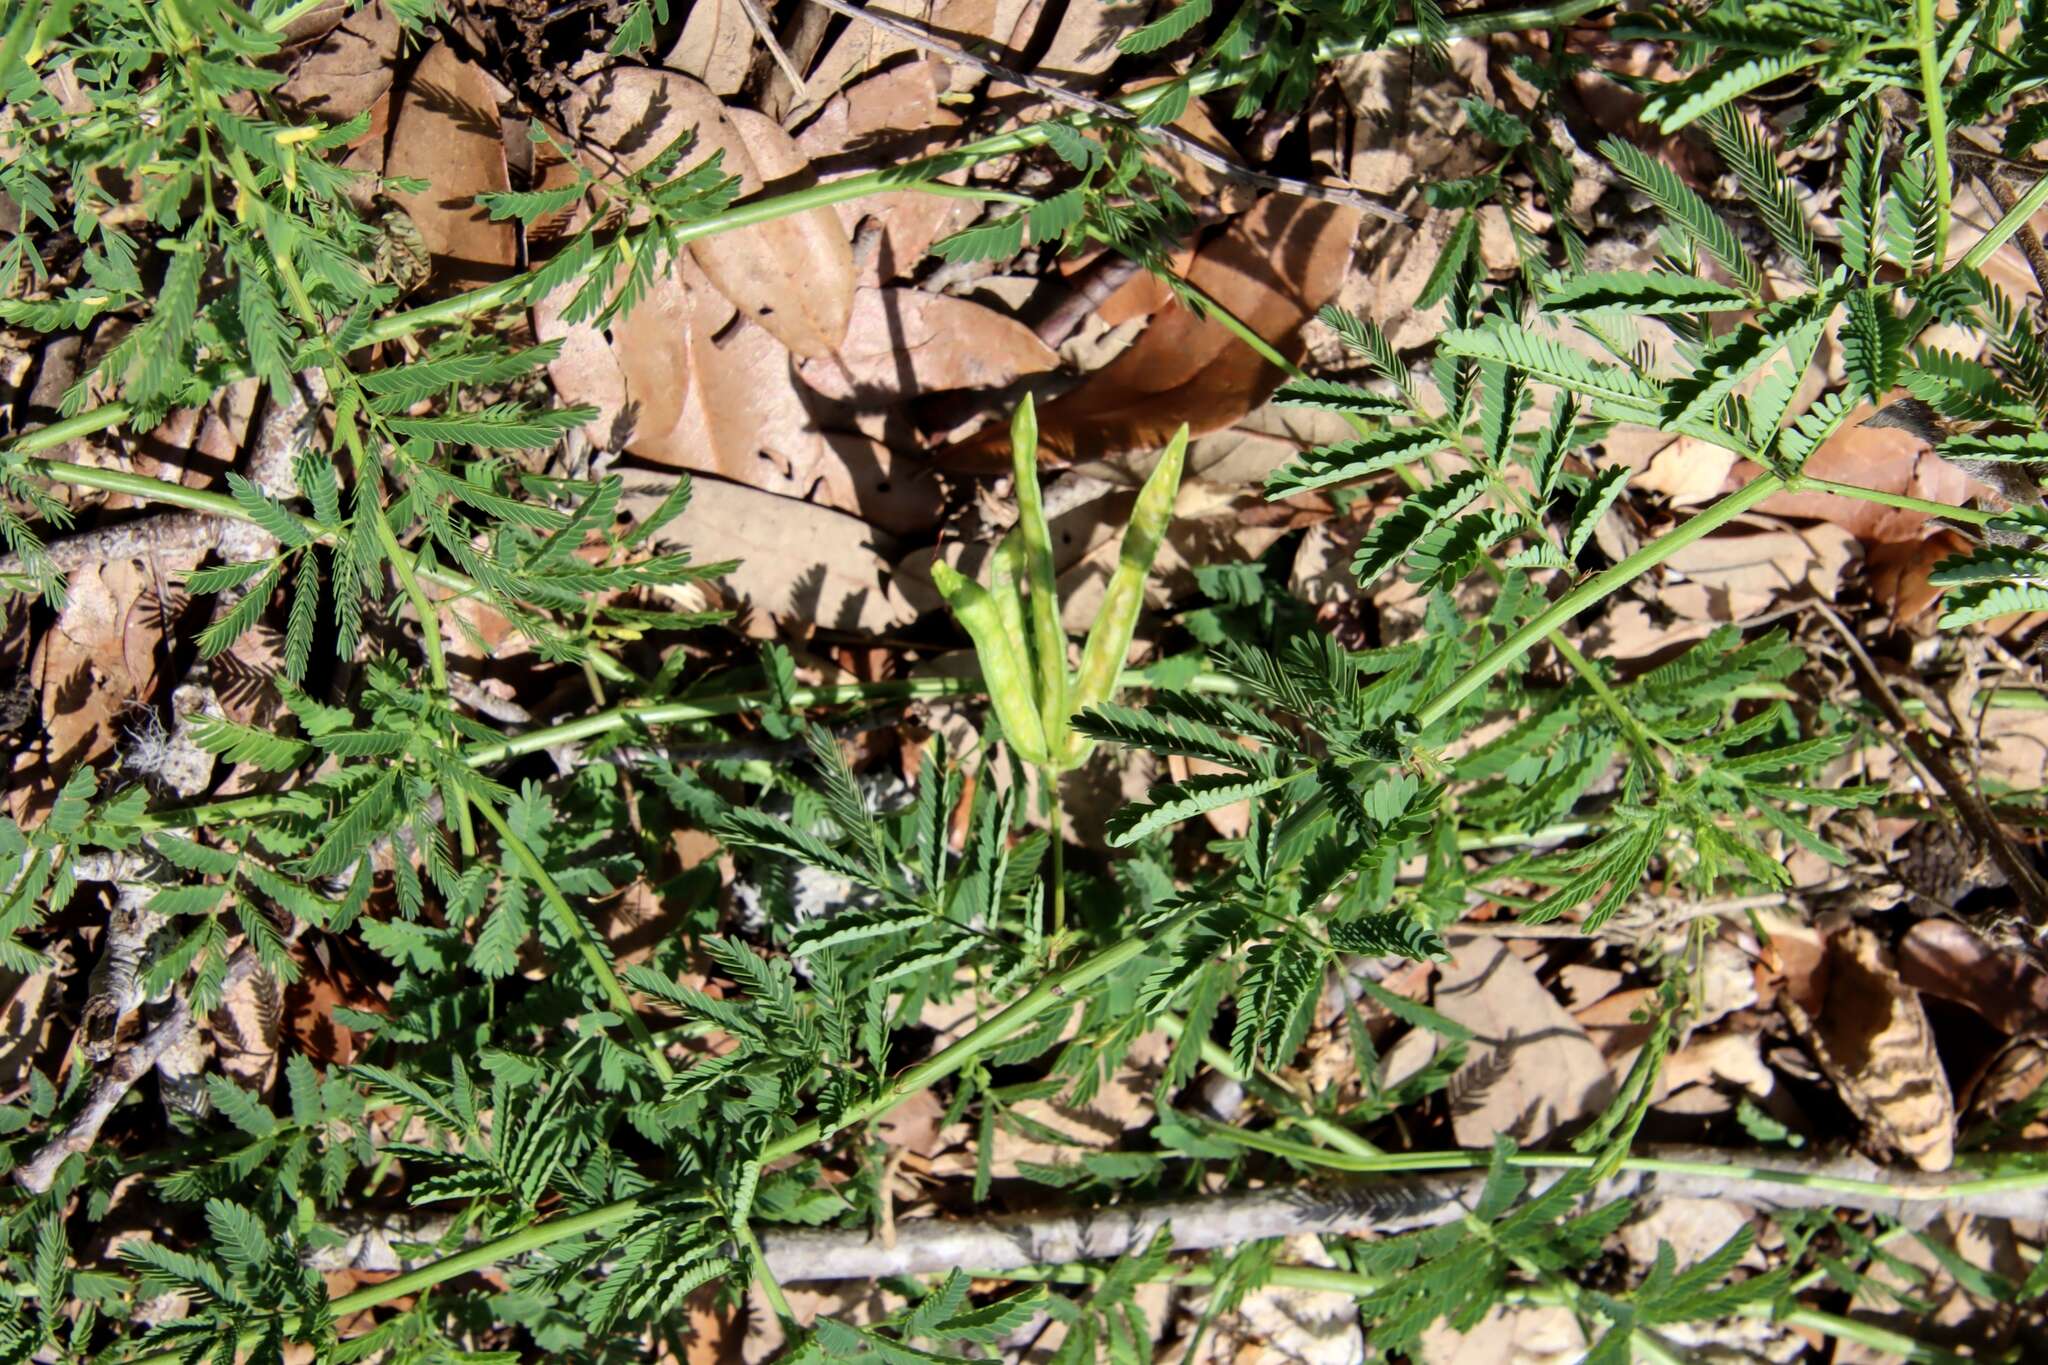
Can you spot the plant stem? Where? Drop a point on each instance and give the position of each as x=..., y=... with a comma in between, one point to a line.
x=1051, y=777
x=1594, y=589
x=2014, y=219
x=1807, y=484
x=1061, y=986
x=1927, y=38
x=1273, y=1095
x=574, y=928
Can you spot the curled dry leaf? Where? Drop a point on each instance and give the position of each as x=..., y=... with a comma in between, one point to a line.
x=1872, y=1038
x=1532, y=1068
x=445, y=131
x=1944, y=958
x=793, y=275
x=888, y=118
x=1272, y=268
x=902, y=342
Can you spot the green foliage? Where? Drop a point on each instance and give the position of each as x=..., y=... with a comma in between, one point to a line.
x=1338, y=808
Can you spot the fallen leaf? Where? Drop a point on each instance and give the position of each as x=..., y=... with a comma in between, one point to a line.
x=1689, y=471
x=444, y=130
x=1272, y=268
x=797, y=560
x=1507, y=1335
x=890, y=117
x=348, y=70
x=1944, y=958
x=901, y=342
x=22, y=1021
x=1733, y=577
x=1872, y=1038
x=716, y=46
x=1898, y=576
x=1531, y=1068
x=792, y=275
x=862, y=48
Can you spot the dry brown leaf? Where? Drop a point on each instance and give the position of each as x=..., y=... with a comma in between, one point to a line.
x=1900, y=574
x=1733, y=577
x=716, y=46
x=1872, y=1037
x=1532, y=1067
x=797, y=560
x=1689, y=471
x=902, y=342
x=890, y=117
x=794, y=275
x=22, y=1021
x=1272, y=268
x=348, y=70
x=861, y=49
x=444, y=130
x=1944, y=958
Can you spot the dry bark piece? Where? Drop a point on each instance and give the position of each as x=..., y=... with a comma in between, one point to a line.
x=1872, y=1038
x=1272, y=268
x=901, y=342
x=1532, y=1068
x=445, y=131
x=793, y=275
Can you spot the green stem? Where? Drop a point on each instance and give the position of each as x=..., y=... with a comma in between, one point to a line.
x=1595, y=589
x=2002, y=231
x=574, y=927
x=1062, y=986
x=1273, y=1095
x=1806, y=483
x=1927, y=1192
x=1927, y=39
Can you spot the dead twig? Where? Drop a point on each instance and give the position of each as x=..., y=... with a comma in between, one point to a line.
x=925, y=40
x=110, y=1086
x=1980, y=825
x=924, y=1246
x=766, y=32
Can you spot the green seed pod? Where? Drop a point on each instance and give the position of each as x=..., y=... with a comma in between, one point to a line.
x=1009, y=684
x=1047, y=638
x=1006, y=586
x=1109, y=640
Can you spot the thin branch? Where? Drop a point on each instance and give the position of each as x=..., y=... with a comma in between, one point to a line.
x=766, y=32
x=1979, y=822
x=110, y=1086
x=925, y=40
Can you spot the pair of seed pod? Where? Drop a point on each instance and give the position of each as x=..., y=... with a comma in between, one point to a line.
x=1030, y=688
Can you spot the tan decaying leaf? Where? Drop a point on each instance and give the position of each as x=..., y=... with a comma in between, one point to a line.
x=444, y=130
x=793, y=275
x=716, y=46
x=1872, y=1037
x=798, y=560
x=1531, y=1068
x=891, y=116
x=104, y=655
x=348, y=70
x=1272, y=268
x=22, y=1020
x=901, y=342
x=636, y=372
x=1688, y=471
x=1733, y=577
